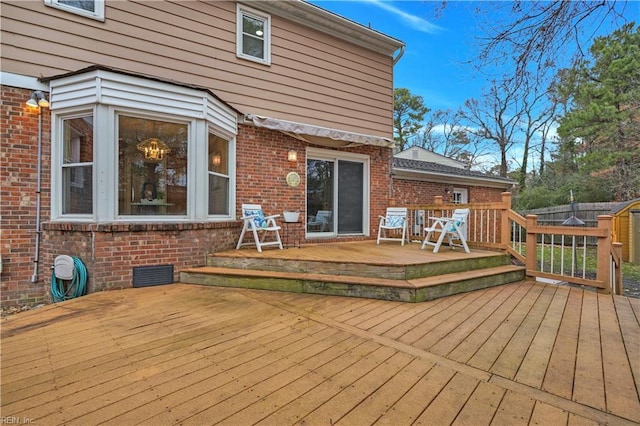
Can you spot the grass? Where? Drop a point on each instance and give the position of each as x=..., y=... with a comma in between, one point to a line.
x=630, y=271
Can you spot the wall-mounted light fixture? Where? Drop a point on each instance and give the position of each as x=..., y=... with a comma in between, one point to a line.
x=217, y=159
x=292, y=156
x=448, y=190
x=154, y=149
x=37, y=100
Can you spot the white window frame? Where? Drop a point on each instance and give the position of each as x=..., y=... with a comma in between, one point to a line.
x=242, y=11
x=460, y=196
x=231, y=173
x=191, y=146
x=98, y=15
x=58, y=164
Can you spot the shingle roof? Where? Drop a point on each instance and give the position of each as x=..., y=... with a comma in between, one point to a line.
x=429, y=167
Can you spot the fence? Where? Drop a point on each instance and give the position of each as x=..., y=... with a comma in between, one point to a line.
x=586, y=212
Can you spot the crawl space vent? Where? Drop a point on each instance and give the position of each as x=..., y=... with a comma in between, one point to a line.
x=145, y=276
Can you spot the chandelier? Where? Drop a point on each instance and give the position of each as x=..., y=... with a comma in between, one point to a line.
x=154, y=149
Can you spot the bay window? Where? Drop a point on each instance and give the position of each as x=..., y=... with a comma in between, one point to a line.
x=125, y=155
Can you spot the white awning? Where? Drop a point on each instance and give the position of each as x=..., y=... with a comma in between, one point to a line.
x=319, y=135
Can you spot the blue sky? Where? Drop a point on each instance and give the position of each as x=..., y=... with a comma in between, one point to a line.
x=432, y=65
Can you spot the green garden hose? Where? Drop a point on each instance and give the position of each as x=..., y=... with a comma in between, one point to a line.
x=76, y=287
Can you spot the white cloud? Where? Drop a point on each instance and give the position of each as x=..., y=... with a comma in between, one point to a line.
x=415, y=22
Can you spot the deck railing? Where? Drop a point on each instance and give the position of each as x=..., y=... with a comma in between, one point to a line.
x=558, y=253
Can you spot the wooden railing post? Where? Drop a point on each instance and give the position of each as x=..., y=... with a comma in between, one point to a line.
x=619, y=286
x=532, y=243
x=603, y=271
x=505, y=230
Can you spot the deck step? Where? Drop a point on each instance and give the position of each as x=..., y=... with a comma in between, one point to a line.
x=413, y=290
x=399, y=271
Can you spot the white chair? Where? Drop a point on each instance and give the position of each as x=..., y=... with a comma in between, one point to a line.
x=256, y=222
x=395, y=220
x=321, y=222
x=454, y=228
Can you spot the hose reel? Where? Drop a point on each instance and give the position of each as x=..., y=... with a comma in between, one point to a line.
x=68, y=279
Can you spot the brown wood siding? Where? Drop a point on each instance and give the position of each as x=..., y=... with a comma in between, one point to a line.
x=313, y=78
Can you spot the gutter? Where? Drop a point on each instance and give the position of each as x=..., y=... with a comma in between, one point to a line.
x=397, y=58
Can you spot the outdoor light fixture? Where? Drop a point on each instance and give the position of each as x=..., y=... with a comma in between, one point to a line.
x=217, y=159
x=37, y=100
x=154, y=149
x=292, y=156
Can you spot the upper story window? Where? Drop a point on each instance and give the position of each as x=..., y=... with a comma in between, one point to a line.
x=89, y=8
x=253, y=35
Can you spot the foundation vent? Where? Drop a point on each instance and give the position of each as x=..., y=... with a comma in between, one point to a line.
x=145, y=276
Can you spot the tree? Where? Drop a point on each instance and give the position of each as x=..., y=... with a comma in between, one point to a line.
x=445, y=134
x=536, y=121
x=495, y=118
x=604, y=114
x=408, y=116
x=535, y=35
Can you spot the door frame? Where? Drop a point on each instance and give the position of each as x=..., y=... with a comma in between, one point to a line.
x=336, y=156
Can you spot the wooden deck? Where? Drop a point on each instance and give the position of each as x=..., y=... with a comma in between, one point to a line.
x=387, y=271
x=521, y=353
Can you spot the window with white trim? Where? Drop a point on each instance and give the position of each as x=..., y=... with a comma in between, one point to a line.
x=219, y=178
x=116, y=159
x=90, y=8
x=77, y=165
x=460, y=196
x=253, y=35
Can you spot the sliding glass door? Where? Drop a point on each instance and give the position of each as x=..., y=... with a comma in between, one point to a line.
x=337, y=193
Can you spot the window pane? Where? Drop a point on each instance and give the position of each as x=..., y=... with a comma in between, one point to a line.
x=152, y=167
x=218, y=160
x=320, y=196
x=253, y=26
x=218, y=195
x=350, y=197
x=77, y=195
x=88, y=5
x=77, y=170
x=252, y=47
x=253, y=36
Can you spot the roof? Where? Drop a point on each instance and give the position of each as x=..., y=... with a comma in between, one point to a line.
x=323, y=20
x=623, y=205
x=97, y=67
x=408, y=168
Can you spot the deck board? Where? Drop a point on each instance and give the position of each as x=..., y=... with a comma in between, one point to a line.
x=521, y=353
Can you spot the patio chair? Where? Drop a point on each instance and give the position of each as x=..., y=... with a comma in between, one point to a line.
x=395, y=220
x=321, y=221
x=454, y=228
x=257, y=223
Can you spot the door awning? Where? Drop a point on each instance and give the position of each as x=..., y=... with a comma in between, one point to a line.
x=319, y=135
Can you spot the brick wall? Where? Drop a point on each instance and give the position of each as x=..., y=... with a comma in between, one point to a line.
x=262, y=167
x=18, y=180
x=414, y=192
x=111, y=251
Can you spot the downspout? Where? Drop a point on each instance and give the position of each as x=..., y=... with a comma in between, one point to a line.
x=36, y=255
